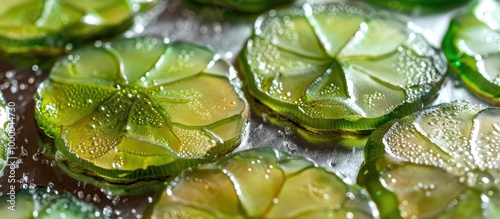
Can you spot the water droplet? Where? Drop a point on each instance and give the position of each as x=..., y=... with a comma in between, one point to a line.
x=107, y=211
x=265, y=117
x=96, y=198
x=80, y=194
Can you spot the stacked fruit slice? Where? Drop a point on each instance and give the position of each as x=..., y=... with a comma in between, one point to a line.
x=248, y=6
x=418, y=6
x=472, y=46
x=442, y=162
x=35, y=29
x=140, y=108
x=339, y=67
x=40, y=203
x=260, y=183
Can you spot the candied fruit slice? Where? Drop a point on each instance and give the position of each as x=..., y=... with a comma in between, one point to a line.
x=472, y=47
x=6, y=128
x=42, y=203
x=260, y=183
x=441, y=162
x=35, y=28
x=418, y=6
x=246, y=6
x=140, y=108
x=339, y=67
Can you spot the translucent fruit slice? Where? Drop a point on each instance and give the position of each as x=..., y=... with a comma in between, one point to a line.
x=36, y=28
x=260, y=183
x=5, y=127
x=442, y=162
x=418, y=6
x=248, y=6
x=39, y=203
x=336, y=66
x=140, y=108
x=472, y=47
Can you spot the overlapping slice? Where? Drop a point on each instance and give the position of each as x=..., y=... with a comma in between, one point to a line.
x=418, y=6
x=442, y=162
x=140, y=108
x=40, y=203
x=260, y=183
x=339, y=67
x=37, y=28
x=472, y=47
x=248, y=6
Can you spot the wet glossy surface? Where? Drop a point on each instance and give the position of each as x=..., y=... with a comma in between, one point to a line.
x=330, y=67
x=32, y=29
x=472, y=47
x=140, y=108
x=227, y=37
x=4, y=134
x=44, y=203
x=288, y=187
x=418, y=7
x=247, y=6
x=441, y=162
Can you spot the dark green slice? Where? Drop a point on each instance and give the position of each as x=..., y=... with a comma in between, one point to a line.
x=442, y=162
x=39, y=203
x=472, y=47
x=247, y=6
x=140, y=108
x=260, y=183
x=418, y=6
x=339, y=67
x=301, y=136
x=32, y=29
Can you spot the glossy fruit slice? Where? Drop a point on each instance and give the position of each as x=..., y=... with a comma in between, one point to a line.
x=299, y=135
x=248, y=6
x=36, y=28
x=5, y=127
x=418, y=6
x=260, y=183
x=339, y=66
x=140, y=108
x=472, y=48
x=442, y=162
x=39, y=203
